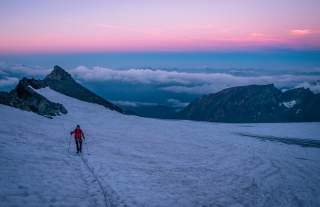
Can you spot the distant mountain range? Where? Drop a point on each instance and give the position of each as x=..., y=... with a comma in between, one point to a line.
x=25, y=98
x=255, y=103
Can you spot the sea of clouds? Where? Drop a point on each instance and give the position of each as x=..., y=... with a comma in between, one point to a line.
x=193, y=82
x=175, y=81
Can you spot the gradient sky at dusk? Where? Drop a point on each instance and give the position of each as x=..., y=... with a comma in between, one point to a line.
x=37, y=26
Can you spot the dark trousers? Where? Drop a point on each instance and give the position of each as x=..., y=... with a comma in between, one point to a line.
x=78, y=144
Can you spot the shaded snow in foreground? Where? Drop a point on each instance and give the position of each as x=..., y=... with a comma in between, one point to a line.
x=136, y=161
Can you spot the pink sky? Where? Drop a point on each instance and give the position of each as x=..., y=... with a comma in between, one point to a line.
x=167, y=25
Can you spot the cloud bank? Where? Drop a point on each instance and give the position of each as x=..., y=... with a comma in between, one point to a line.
x=175, y=103
x=134, y=103
x=22, y=70
x=11, y=73
x=8, y=81
x=313, y=86
x=301, y=32
x=189, y=82
x=170, y=81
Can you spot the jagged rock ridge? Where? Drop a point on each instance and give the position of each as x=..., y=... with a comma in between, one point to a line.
x=25, y=98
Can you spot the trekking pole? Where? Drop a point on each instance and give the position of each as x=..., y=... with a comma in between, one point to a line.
x=69, y=143
x=87, y=148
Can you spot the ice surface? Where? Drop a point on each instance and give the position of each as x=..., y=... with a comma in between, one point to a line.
x=134, y=161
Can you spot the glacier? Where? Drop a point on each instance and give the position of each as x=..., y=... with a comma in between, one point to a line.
x=135, y=161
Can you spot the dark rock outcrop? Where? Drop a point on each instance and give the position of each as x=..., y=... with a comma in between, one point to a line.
x=255, y=103
x=25, y=98
x=36, y=84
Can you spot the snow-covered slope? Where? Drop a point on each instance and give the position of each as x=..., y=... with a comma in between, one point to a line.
x=134, y=161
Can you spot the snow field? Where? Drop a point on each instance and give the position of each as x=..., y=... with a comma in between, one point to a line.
x=150, y=162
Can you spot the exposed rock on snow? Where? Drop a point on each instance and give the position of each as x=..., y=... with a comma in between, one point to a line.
x=25, y=98
x=289, y=104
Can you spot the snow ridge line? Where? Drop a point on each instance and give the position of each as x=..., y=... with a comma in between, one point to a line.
x=107, y=201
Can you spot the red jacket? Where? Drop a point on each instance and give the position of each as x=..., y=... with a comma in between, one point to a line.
x=78, y=133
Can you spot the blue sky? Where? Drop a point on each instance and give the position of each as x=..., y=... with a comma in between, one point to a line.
x=282, y=60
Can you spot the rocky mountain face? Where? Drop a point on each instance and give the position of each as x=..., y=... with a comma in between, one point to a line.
x=255, y=103
x=62, y=82
x=25, y=98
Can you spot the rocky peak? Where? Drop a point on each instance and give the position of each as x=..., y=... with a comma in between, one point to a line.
x=254, y=103
x=58, y=74
x=62, y=82
x=250, y=93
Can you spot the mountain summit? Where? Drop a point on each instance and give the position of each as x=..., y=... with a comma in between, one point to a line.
x=58, y=74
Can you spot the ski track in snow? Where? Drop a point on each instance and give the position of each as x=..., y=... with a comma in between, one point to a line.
x=134, y=161
x=109, y=195
x=103, y=191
